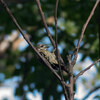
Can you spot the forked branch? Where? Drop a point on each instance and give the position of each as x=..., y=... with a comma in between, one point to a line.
x=29, y=42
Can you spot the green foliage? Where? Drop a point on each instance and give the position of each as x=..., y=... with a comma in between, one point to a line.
x=74, y=13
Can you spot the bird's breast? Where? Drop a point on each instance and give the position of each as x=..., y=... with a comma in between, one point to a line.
x=50, y=57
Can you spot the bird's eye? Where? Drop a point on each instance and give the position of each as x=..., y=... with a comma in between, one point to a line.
x=42, y=46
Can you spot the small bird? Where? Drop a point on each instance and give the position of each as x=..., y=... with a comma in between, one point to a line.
x=50, y=57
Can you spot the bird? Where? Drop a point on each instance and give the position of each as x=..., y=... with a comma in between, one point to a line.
x=50, y=57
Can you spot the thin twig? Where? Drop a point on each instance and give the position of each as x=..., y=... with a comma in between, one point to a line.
x=57, y=52
x=93, y=90
x=44, y=22
x=83, y=30
x=83, y=71
x=28, y=41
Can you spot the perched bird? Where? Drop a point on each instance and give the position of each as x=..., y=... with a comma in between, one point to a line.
x=50, y=57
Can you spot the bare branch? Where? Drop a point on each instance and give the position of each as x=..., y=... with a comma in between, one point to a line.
x=71, y=79
x=44, y=22
x=83, y=71
x=93, y=90
x=46, y=27
x=99, y=25
x=28, y=41
x=57, y=53
x=83, y=30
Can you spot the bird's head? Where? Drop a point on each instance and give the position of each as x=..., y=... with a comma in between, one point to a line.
x=42, y=47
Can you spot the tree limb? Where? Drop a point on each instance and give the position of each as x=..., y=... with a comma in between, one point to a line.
x=57, y=53
x=46, y=27
x=44, y=22
x=83, y=71
x=28, y=41
x=93, y=90
x=71, y=80
x=83, y=30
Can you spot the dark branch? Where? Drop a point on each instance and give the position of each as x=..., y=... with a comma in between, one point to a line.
x=28, y=41
x=17, y=1
x=44, y=22
x=46, y=27
x=93, y=90
x=71, y=80
x=83, y=71
x=99, y=26
x=57, y=53
x=83, y=30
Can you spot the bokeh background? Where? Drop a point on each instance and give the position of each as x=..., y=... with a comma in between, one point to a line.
x=22, y=77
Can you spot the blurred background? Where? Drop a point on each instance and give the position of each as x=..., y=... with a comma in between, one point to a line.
x=22, y=77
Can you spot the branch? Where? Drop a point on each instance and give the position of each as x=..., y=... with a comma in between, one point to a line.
x=83, y=30
x=28, y=41
x=99, y=25
x=57, y=53
x=93, y=90
x=71, y=78
x=17, y=1
x=46, y=27
x=83, y=71
x=44, y=22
